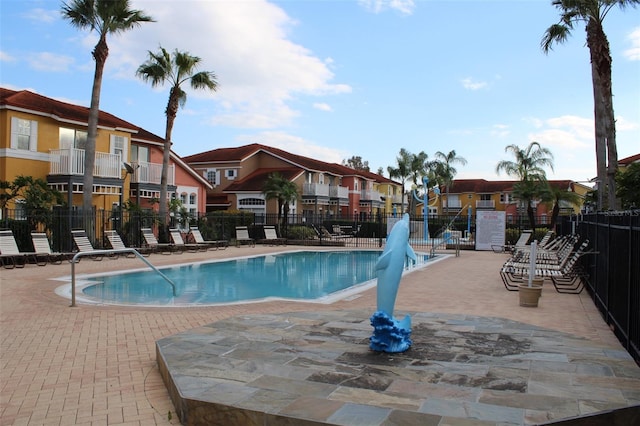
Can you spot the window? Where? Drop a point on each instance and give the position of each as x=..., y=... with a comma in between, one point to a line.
x=231, y=173
x=183, y=198
x=71, y=138
x=505, y=198
x=251, y=202
x=24, y=134
x=119, y=146
x=212, y=176
x=192, y=198
x=139, y=153
x=21, y=210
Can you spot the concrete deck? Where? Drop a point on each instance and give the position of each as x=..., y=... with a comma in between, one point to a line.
x=97, y=364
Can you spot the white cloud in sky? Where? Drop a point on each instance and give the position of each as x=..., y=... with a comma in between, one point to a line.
x=470, y=84
x=5, y=57
x=43, y=15
x=47, y=61
x=405, y=7
x=500, y=131
x=259, y=69
x=322, y=106
x=295, y=145
x=633, y=54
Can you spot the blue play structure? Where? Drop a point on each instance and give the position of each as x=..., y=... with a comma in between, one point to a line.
x=389, y=334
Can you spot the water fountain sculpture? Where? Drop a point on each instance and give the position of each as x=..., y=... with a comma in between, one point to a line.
x=390, y=334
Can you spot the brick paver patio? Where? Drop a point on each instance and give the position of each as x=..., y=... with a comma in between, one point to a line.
x=96, y=365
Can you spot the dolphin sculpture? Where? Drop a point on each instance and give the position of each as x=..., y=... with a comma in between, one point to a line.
x=391, y=335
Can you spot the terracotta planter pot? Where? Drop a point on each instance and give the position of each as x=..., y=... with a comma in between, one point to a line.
x=529, y=296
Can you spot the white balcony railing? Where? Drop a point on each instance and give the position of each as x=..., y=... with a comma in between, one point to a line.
x=485, y=204
x=370, y=195
x=315, y=189
x=338, y=191
x=70, y=161
x=145, y=172
x=452, y=204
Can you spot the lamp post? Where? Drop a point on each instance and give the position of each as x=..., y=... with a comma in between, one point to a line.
x=425, y=207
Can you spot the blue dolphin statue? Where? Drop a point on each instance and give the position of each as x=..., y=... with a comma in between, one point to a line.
x=391, y=264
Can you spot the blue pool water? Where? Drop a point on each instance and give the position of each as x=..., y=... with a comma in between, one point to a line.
x=304, y=275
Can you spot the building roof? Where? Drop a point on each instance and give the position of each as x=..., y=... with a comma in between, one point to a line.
x=628, y=160
x=482, y=186
x=241, y=153
x=255, y=180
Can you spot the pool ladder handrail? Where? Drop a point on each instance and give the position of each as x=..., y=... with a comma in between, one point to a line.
x=80, y=254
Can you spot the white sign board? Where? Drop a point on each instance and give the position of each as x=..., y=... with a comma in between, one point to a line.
x=490, y=229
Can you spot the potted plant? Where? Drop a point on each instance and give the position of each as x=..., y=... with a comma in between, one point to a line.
x=531, y=291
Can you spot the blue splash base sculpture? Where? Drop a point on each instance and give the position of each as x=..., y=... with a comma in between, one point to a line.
x=389, y=334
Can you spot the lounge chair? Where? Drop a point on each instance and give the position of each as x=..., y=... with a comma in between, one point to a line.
x=152, y=242
x=10, y=256
x=196, y=235
x=242, y=236
x=521, y=243
x=83, y=244
x=271, y=236
x=179, y=244
x=42, y=249
x=117, y=244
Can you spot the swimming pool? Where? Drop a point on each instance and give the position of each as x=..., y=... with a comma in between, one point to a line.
x=321, y=276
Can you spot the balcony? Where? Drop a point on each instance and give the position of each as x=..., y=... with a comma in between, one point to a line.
x=70, y=161
x=485, y=204
x=144, y=172
x=338, y=192
x=315, y=190
x=369, y=195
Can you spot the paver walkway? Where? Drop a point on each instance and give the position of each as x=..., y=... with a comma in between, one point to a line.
x=97, y=364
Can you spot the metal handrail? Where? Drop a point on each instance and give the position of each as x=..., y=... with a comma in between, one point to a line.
x=80, y=254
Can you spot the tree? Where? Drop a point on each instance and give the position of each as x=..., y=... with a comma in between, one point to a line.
x=409, y=166
x=446, y=170
x=283, y=190
x=174, y=69
x=593, y=13
x=528, y=168
x=355, y=162
x=105, y=17
x=629, y=186
x=557, y=195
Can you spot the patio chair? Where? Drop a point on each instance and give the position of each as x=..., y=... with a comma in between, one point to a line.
x=521, y=243
x=42, y=249
x=10, y=256
x=83, y=244
x=242, y=236
x=152, y=242
x=197, y=237
x=271, y=236
x=117, y=244
x=179, y=244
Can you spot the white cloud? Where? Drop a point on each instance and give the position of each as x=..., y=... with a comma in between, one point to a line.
x=5, y=57
x=260, y=71
x=322, y=106
x=295, y=145
x=633, y=54
x=43, y=15
x=500, y=131
x=470, y=84
x=47, y=61
x=378, y=6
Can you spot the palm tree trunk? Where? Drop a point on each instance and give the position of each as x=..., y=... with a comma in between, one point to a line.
x=172, y=112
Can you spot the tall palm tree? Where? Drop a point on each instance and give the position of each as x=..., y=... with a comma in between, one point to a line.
x=283, y=190
x=593, y=13
x=175, y=68
x=557, y=195
x=105, y=17
x=528, y=168
x=447, y=171
x=402, y=170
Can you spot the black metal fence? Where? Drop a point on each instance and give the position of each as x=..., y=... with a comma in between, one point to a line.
x=614, y=270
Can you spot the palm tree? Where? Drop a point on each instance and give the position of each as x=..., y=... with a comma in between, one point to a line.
x=528, y=169
x=282, y=189
x=446, y=170
x=175, y=69
x=105, y=17
x=593, y=13
x=402, y=171
x=558, y=195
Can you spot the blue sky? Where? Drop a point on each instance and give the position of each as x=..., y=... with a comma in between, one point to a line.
x=330, y=79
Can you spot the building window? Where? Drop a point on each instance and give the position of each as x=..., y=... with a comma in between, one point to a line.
x=21, y=210
x=183, y=198
x=231, y=173
x=139, y=153
x=251, y=202
x=119, y=146
x=71, y=138
x=192, y=198
x=212, y=176
x=24, y=134
x=505, y=198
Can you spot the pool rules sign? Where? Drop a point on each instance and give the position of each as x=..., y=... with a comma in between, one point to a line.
x=490, y=229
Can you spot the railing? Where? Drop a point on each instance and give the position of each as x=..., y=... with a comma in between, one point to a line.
x=106, y=252
x=452, y=204
x=485, y=204
x=70, y=161
x=368, y=194
x=338, y=191
x=316, y=189
x=145, y=172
